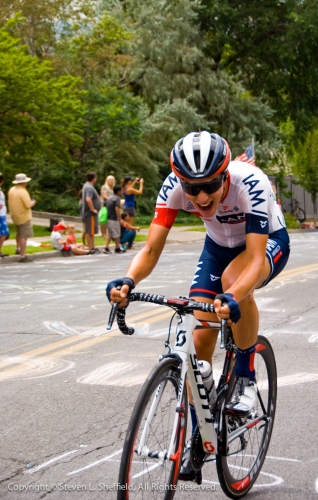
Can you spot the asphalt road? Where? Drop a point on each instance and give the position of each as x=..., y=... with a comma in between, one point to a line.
x=67, y=387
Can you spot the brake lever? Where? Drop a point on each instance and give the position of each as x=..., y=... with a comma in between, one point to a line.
x=112, y=315
x=223, y=333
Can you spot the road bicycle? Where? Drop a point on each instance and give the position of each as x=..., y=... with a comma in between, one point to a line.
x=155, y=439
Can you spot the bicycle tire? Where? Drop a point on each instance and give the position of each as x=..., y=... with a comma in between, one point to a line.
x=153, y=474
x=300, y=215
x=239, y=469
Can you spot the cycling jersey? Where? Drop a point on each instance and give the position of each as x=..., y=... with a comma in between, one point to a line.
x=249, y=206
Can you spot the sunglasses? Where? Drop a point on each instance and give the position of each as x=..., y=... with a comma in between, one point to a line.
x=207, y=187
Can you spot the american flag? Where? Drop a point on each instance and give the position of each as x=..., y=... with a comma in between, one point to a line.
x=248, y=155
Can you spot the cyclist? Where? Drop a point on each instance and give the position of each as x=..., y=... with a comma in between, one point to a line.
x=246, y=246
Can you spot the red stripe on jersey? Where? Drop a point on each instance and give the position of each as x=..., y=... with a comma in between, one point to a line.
x=164, y=216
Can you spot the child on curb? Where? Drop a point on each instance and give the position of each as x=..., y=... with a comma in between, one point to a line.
x=70, y=238
x=60, y=244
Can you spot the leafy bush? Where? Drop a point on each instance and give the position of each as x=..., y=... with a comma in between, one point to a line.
x=291, y=221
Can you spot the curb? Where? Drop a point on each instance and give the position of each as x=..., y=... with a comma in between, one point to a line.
x=51, y=255
x=58, y=254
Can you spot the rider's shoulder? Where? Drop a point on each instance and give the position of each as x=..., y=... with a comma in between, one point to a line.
x=241, y=171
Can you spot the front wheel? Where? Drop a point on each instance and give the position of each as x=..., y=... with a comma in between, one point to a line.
x=247, y=439
x=145, y=470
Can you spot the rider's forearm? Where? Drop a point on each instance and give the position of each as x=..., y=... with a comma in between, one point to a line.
x=248, y=280
x=142, y=264
x=145, y=260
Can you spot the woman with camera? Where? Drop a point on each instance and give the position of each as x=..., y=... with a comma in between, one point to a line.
x=129, y=192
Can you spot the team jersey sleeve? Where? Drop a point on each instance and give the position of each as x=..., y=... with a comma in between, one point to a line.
x=256, y=199
x=169, y=202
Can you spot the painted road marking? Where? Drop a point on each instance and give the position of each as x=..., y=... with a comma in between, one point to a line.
x=277, y=479
x=49, y=462
x=105, y=459
x=287, y=380
x=313, y=335
x=290, y=273
x=23, y=345
x=97, y=340
x=66, y=346
x=114, y=374
x=31, y=368
x=46, y=349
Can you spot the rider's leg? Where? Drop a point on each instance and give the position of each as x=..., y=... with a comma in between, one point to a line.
x=246, y=329
x=245, y=335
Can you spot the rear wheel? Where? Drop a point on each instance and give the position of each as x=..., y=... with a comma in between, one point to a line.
x=248, y=438
x=145, y=471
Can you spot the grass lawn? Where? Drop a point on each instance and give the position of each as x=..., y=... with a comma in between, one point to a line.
x=10, y=249
x=37, y=231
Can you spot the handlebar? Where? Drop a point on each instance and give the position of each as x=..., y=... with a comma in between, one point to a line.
x=182, y=305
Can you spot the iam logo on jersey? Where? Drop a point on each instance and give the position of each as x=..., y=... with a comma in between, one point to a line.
x=214, y=278
x=263, y=223
x=225, y=208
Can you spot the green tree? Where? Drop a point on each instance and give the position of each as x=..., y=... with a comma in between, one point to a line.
x=44, y=21
x=95, y=50
x=40, y=114
x=172, y=72
x=271, y=47
x=306, y=165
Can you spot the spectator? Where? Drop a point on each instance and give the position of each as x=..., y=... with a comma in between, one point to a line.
x=114, y=220
x=129, y=194
x=4, y=230
x=106, y=191
x=80, y=203
x=20, y=205
x=128, y=232
x=60, y=244
x=108, y=188
x=90, y=207
x=71, y=238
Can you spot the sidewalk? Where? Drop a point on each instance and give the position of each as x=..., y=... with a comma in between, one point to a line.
x=176, y=235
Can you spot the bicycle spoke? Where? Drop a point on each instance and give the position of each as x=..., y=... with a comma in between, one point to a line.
x=151, y=469
x=248, y=438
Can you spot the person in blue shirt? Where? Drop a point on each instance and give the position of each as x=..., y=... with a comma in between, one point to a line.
x=129, y=192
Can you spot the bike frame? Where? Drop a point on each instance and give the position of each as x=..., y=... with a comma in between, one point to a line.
x=184, y=349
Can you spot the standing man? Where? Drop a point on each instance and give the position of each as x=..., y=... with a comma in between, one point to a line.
x=20, y=205
x=90, y=206
x=114, y=220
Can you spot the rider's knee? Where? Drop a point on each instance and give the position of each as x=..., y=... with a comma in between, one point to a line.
x=227, y=280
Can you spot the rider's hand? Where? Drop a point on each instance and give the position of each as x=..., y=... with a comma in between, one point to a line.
x=115, y=295
x=230, y=309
